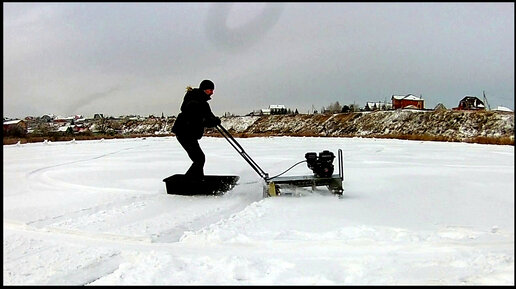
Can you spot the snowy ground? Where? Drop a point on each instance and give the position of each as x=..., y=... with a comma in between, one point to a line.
x=97, y=213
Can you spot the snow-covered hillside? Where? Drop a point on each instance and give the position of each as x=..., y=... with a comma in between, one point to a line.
x=463, y=126
x=446, y=125
x=97, y=213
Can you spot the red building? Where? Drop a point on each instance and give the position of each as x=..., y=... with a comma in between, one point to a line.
x=402, y=101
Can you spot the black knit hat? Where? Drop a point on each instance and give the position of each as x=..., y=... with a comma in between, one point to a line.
x=206, y=84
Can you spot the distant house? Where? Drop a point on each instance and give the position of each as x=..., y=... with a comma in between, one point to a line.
x=48, y=117
x=65, y=128
x=502, y=108
x=439, y=107
x=274, y=109
x=265, y=111
x=403, y=101
x=470, y=103
x=80, y=128
x=277, y=109
x=371, y=106
x=63, y=120
x=18, y=126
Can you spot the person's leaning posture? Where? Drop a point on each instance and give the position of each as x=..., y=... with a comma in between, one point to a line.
x=189, y=126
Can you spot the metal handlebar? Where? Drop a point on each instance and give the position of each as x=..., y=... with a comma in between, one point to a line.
x=242, y=152
x=341, y=166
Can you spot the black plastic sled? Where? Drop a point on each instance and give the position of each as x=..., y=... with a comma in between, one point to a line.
x=211, y=185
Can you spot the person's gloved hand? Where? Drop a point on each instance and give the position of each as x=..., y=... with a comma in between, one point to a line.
x=217, y=121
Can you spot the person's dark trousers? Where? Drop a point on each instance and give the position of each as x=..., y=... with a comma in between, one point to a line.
x=194, y=151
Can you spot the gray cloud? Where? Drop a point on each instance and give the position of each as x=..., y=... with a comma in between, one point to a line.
x=235, y=39
x=137, y=58
x=76, y=105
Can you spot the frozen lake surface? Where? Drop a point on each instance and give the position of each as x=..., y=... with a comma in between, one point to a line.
x=97, y=213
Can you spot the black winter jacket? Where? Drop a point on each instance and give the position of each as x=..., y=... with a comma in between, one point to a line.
x=195, y=115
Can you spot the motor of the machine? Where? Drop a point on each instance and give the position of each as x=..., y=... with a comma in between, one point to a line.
x=322, y=166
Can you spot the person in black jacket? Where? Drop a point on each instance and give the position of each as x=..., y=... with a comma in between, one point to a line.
x=189, y=126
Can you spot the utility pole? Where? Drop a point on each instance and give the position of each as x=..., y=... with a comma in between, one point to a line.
x=485, y=101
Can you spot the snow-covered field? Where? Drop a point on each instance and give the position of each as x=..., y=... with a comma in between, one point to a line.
x=97, y=213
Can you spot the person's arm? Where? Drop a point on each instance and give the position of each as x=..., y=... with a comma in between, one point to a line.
x=210, y=120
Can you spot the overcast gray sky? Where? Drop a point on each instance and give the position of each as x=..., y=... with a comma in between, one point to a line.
x=137, y=58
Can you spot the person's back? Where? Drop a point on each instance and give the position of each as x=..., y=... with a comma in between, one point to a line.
x=195, y=114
